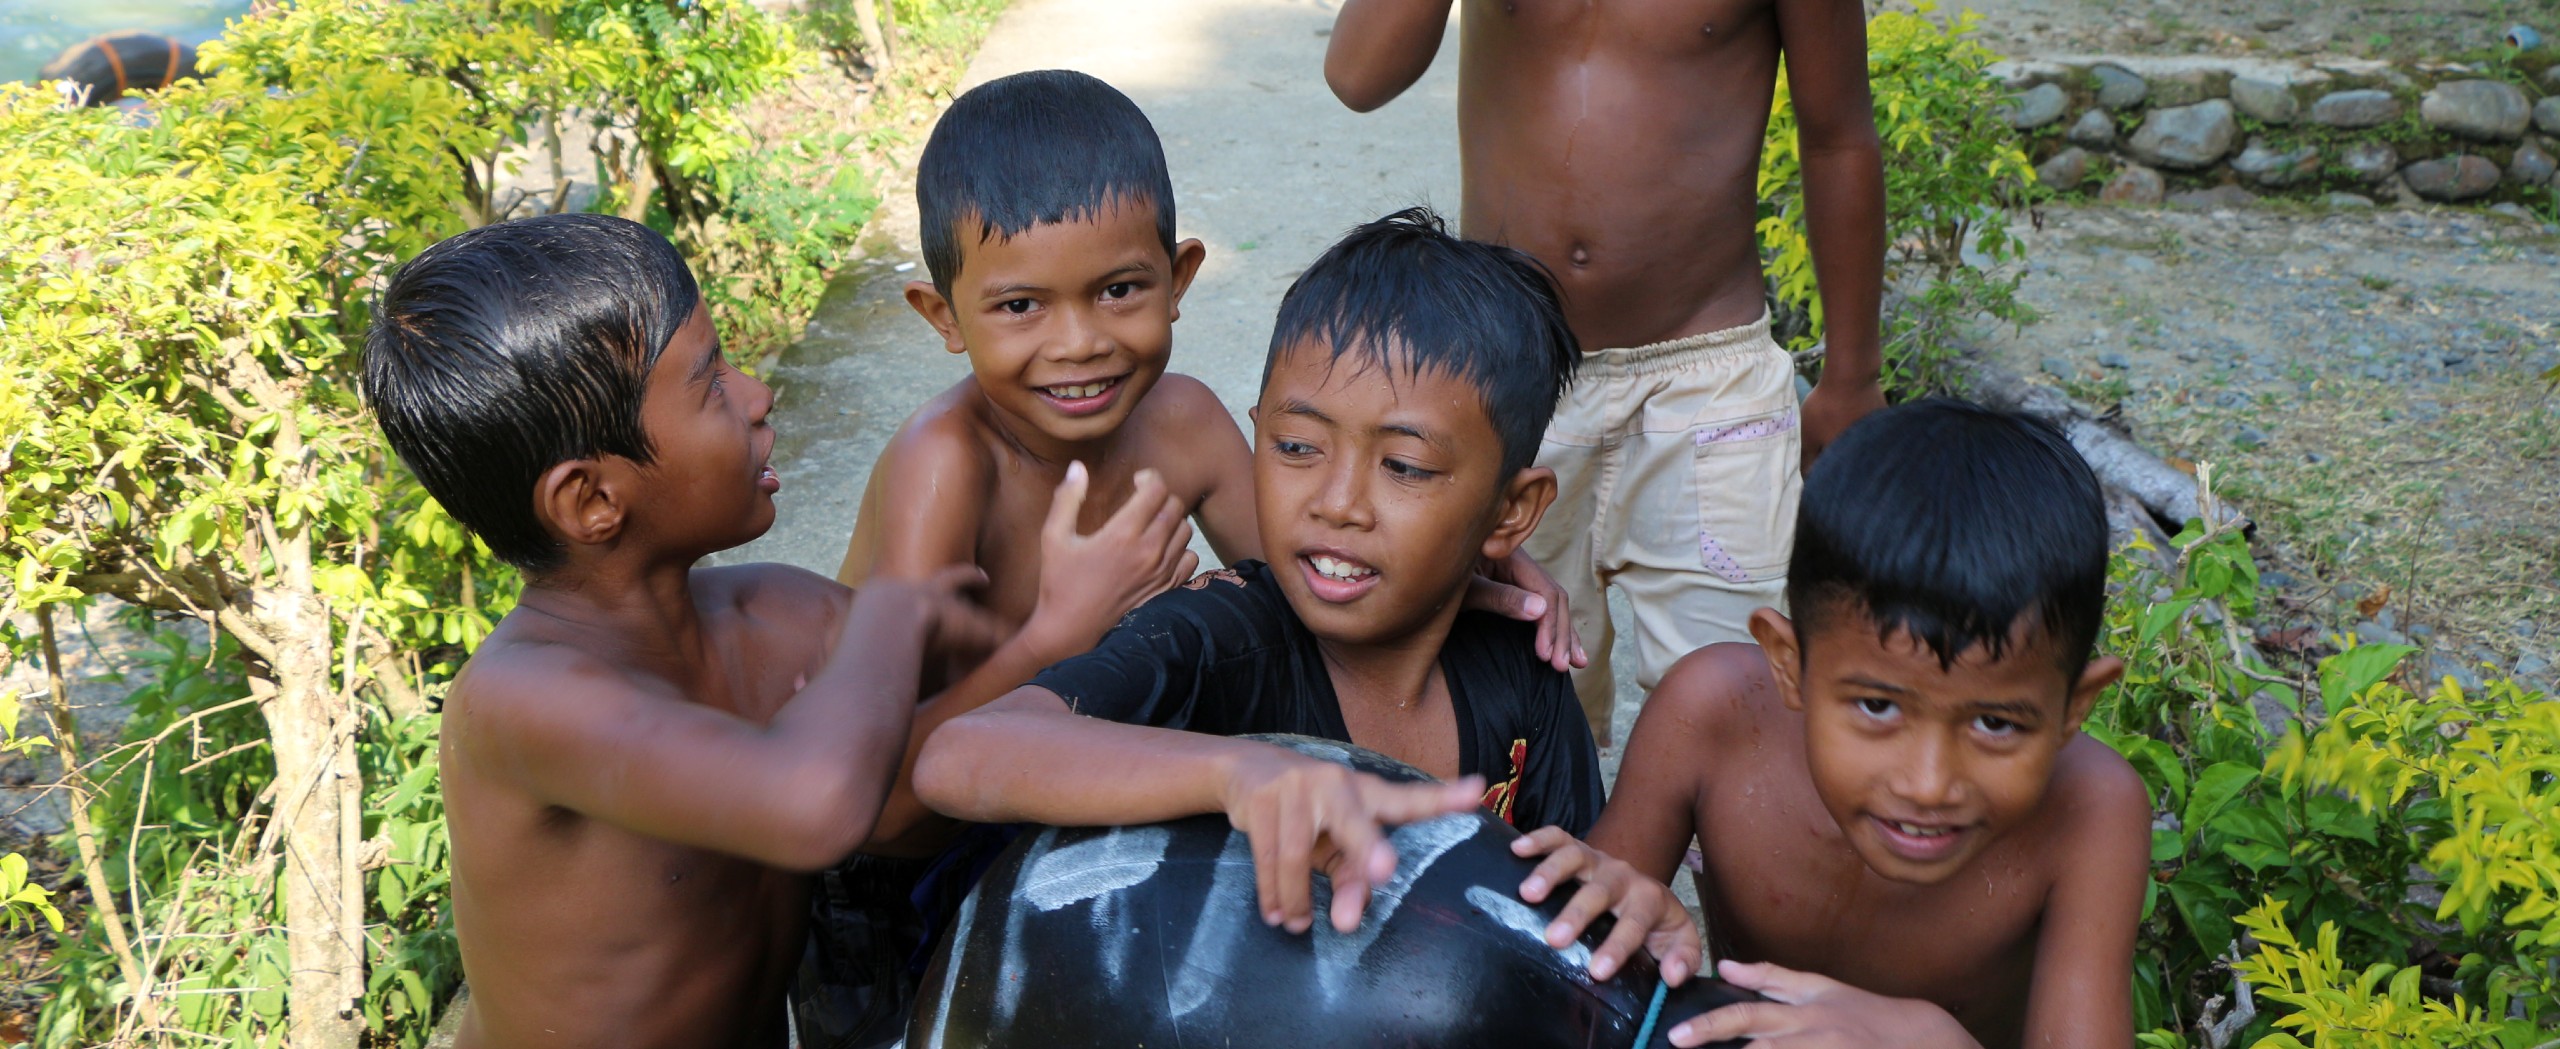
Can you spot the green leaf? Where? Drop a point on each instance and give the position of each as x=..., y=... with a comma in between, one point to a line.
x=2215, y=789
x=2348, y=674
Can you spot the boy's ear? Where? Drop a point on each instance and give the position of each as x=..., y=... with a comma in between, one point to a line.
x=582, y=500
x=1524, y=502
x=2094, y=679
x=1187, y=257
x=1780, y=644
x=929, y=304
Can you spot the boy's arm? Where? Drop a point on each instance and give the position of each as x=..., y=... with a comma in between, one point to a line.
x=2082, y=992
x=1825, y=43
x=927, y=498
x=1087, y=582
x=1380, y=47
x=1653, y=816
x=1027, y=758
x=1214, y=445
x=799, y=792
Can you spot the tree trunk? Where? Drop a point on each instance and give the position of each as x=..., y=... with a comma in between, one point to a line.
x=319, y=787
x=866, y=13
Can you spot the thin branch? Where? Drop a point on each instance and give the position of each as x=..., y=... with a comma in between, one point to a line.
x=84, y=830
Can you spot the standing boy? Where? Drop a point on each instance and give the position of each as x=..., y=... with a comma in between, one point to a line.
x=644, y=758
x=1905, y=833
x=1410, y=374
x=1619, y=142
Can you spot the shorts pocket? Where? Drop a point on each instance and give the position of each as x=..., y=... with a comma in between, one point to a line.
x=1746, y=470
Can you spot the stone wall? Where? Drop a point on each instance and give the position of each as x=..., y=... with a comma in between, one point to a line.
x=2141, y=129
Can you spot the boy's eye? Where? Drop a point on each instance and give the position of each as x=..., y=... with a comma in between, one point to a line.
x=1122, y=290
x=1017, y=307
x=1997, y=726
x=1408, y=471
x=1879, y=709
x=1293, y=449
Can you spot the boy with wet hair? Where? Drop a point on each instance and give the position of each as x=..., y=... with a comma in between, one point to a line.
x=1048, y=224
x=1905, y=834
x=1047, y=216
x=644, y=758
x=1409, y=377
x=1620, y=144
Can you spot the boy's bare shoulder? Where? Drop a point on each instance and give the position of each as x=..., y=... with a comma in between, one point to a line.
x=2095, y=790
x=1717, y=691
x=945, y=438
x=771, y=591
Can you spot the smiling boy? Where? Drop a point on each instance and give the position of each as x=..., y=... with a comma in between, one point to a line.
x=1409, y=377
x=1904, y=829
x=643, y=760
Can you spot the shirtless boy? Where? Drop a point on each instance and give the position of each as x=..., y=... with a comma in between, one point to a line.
x=1409, y=377
x=643, y=758
x=1619, y=142
x=1906, y=834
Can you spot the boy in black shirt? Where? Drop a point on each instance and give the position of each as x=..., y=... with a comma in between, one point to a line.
x=1410, y=376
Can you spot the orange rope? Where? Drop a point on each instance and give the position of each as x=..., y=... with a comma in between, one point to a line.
x=114, y=61
x=171, y=73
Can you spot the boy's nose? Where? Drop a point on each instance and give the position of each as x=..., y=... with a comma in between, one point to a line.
x=1932, y=776
x=1343, y=501
x=759, y=398
x=1079, y=339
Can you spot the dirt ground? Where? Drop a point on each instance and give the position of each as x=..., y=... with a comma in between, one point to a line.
x=2408, y=29
x=2367, y=384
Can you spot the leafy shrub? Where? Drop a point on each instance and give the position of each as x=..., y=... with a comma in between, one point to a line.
x=1953, y=172
x=2334, y=802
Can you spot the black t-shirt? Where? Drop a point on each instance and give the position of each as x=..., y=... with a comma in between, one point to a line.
x=1224, y=654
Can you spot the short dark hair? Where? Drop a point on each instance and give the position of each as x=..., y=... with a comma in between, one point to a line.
x=1031, y=149
x=500, y=352
x=1951, y=521
x=1402, y=288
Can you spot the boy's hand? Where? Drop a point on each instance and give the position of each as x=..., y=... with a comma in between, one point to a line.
x=1519, y=587
x=1304, y=814
x=957, y=626
x=1832, y=407
x=1807, y=1011
x=1087, y=582
x=1648, y=914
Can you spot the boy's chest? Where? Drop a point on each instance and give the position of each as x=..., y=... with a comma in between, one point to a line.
x=1008, y=541
x=1782, y=885
x=1552, y=25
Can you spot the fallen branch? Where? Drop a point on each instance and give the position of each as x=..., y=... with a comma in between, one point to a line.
x=2166, y=491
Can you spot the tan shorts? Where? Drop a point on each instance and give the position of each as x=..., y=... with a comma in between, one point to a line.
x=1677, y=471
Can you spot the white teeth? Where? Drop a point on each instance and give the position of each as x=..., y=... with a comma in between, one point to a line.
x=1917, y=831
x=1077, y=393
x=1332, y=568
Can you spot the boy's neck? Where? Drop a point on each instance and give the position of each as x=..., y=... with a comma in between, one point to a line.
x=634, y=614
x=1391, y=674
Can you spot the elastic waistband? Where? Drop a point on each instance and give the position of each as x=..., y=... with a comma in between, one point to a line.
x=1687, y=351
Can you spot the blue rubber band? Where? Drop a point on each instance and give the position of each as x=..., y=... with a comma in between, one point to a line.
x=1652, y=1015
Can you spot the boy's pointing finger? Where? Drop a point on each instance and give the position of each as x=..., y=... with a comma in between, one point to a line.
x=1066, y=504
x=1757, y=1021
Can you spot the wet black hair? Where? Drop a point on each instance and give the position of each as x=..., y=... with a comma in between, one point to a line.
x=1402, y=289
x=1952, y=521
x=1031, y=149
x=500, y=352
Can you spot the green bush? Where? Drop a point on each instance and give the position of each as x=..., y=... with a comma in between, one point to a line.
x=181, y=294
x=2335, y=802
x=1954, y=172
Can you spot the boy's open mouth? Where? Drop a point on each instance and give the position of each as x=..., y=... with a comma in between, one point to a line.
x=1335, y=577
x=1918, y=842
x=768, y=481
x=1083, y=398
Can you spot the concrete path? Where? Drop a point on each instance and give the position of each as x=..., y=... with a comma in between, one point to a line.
x=1267, y=169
